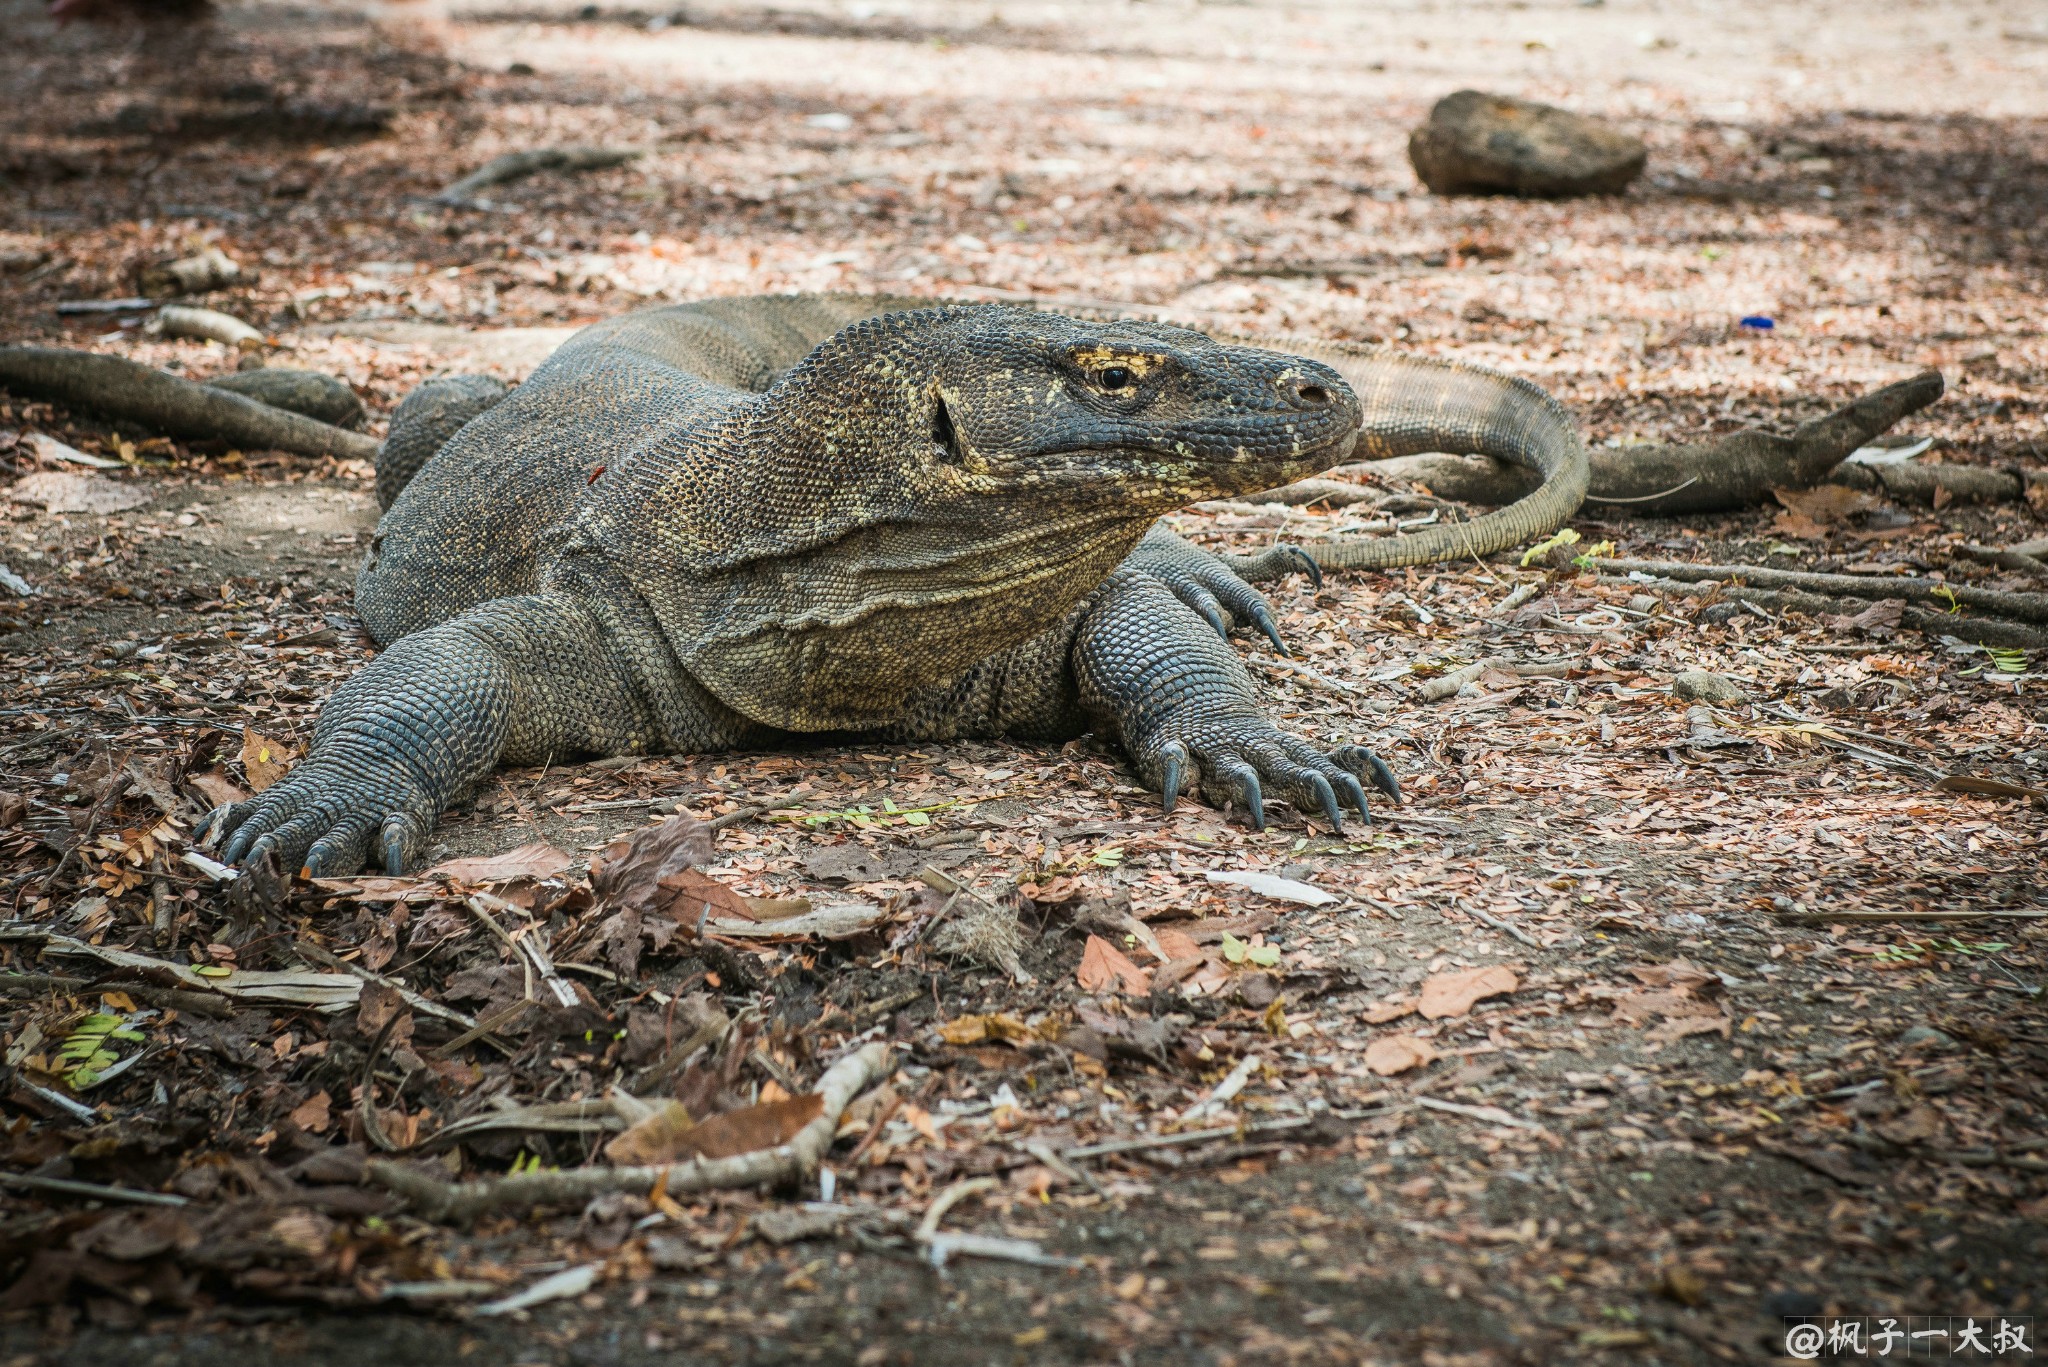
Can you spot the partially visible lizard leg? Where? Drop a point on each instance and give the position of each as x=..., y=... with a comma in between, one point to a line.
x=1183, y=705
x=423, y=423
x=512, y=681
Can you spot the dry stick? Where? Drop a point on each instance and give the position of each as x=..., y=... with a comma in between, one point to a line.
x=170, y=998
x=530, y=944
x=1981, y=630
x=121, y=388
x=2018, y=607
x=67, y=1186
x=1505, y=927
x=795, y=1161
x=2006, y=560
x=519, y=165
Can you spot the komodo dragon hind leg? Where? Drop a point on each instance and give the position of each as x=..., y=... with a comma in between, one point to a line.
x=424, y=422
x=1184, y=707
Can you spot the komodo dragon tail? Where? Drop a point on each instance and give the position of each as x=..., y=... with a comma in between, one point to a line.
x=1415, y=404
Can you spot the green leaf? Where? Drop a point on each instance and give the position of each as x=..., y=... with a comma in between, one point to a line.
x=1564, y=536
x=2008, y=661
x=1108, y=857
x=916, y=819
x=1265, y=956
x=1234, y=949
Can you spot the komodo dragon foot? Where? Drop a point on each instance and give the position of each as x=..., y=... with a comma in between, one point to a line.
x=1212, y=587
x=1186, y=709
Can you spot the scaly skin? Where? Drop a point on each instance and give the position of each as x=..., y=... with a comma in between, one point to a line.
x=733, y=523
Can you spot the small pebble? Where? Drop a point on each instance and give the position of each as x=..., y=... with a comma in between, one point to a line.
x=1697, y=685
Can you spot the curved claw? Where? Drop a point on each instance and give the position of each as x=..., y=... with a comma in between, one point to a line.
x=1326, y=795
x=1251, y=793
x=1308, y=563
x=1170, y=784
x=393, y=842
x=1383, y=777
x=1214, y=617
x=240, y=837
x=1357, y=757
x=1355, y=791
x=1265, y=622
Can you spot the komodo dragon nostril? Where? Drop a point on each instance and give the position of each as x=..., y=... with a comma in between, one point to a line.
x=1306, y=394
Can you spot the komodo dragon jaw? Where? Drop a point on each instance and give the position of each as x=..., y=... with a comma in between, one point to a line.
x=948, y=482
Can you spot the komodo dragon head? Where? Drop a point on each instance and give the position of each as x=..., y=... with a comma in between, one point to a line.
x=927, y=488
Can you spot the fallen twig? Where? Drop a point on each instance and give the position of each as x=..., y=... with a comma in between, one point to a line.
x=124, y=389
x=519, y=165
x=171, y=998
x=2018, y=607
x=2004, y=559
x=67, y=1186
x=1504, y=927
x=1448, y=685
x=791, y=1162
x=211, y=325
x=530, y=943
x=1988, y=631
x=1492, y=1115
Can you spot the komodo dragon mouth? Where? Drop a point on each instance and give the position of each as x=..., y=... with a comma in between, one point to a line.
x=711, y=526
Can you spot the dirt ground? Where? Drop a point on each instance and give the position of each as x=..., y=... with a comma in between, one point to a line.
x=1732, y=1064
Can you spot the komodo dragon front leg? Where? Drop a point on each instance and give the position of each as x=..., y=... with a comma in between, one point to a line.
x=1150, y=673
x=515, y=681
x=1145, y=661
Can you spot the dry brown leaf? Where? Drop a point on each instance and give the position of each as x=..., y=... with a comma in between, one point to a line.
x=216, y=787
x=695, y=896
x=747, y=1129
x=1680, y=1027
x=1454, y=994
x=315, y=1113
x=537, y=861
x=264, y=761
x=1178, y=945
x=655, y=1139
x=777, y=908
x=964, y=1030
x=1379, y=1013
x=1917, y=1125
x=1105, y=968
x=630, y=870
x=1828, y=504
x=1391, y=1054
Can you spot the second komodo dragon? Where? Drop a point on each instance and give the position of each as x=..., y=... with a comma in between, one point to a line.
x=735, y=523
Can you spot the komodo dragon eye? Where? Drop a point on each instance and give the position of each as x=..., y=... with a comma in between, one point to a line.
x=1114, y=378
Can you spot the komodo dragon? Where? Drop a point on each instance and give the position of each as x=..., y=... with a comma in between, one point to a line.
x=727, y=524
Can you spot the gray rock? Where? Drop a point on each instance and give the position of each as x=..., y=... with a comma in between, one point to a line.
x=1925, y=1034
x=1697, y=685
x=1475, y=142
x=305, y=392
